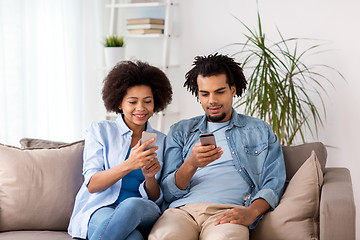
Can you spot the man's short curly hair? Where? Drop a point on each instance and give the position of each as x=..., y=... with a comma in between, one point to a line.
x=212, y=65
x=128, y=74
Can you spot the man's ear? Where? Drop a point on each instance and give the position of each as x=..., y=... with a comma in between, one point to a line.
x=233, y=90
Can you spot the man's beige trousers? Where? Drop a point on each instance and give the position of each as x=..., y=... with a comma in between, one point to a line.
x=196, y=221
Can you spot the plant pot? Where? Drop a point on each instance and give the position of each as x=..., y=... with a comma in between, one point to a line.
x=113, y=55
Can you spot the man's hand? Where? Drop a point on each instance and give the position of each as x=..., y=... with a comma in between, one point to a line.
x=201, y=155
x=242, y=216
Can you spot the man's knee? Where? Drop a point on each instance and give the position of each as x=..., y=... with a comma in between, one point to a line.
x=225, y=231
x=174, y=225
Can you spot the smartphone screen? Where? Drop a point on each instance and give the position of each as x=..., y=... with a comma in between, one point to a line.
x=207, y=139
x=147, y=136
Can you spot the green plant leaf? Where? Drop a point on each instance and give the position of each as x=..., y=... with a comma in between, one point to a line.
x=282, y=87
x=114, y=41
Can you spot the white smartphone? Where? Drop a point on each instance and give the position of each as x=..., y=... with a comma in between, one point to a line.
x=147, y=136
x=207, y=139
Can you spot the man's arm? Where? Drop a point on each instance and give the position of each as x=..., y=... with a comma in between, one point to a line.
x=199, y=157
x=178, y=172
x=273, y=176
x=271, y=188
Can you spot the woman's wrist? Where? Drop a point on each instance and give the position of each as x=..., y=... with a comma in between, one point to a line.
x=151, y=180
x=152, y=188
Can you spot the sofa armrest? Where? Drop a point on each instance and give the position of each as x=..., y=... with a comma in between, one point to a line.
x=337, y=206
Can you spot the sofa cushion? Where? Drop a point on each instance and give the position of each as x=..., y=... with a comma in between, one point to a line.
x=35, y=235
x=295, y=156
x=296, y=216
x=39, y=143
x=38, y=186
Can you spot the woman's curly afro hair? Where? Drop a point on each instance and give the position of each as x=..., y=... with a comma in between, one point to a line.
x=212, y=65
x=127, y=74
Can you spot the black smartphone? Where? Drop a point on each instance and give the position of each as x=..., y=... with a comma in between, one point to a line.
x=147, y=136
x=207, y=139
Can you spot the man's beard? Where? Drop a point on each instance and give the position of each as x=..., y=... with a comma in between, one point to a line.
x=216, y=118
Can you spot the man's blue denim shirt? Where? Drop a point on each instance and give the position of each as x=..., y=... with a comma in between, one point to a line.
x=256, y=151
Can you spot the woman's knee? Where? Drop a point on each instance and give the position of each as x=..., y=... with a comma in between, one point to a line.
x=133, y=202
x=138, y=203
x=138, y=206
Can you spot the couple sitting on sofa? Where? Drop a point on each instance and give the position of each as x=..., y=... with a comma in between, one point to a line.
x=209, y=192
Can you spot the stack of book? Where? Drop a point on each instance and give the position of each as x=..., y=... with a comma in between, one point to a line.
x=140, y=1
x=145, y=26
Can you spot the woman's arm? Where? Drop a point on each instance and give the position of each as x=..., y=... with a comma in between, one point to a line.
x=106, y=178
x=138, y=159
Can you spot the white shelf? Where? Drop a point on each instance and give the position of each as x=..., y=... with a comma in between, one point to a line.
x=136, y=5
x=164, y=7
x=149, y=35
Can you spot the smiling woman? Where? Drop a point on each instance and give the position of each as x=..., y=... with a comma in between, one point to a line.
x=119, y=165
x=44, y=64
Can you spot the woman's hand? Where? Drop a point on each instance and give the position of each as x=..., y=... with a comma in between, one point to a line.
x=151, y=168
x=139, y=157
x=151, y=185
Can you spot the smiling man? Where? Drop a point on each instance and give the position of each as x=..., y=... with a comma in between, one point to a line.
x=218, y=192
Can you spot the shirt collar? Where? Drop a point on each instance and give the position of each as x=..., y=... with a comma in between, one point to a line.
x=234, y=121
x=123, y=128
x=148, y=127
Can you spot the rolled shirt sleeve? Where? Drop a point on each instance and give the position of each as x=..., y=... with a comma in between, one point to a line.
x=93, y=155
x=173, y=160
x=274, y=174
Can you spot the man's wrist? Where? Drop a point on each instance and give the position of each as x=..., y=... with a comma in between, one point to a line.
x=184, y=174
x=254, y=211
x=259, y=207
x=189, y=166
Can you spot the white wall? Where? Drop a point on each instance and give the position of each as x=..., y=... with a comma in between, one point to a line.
x=207, y=25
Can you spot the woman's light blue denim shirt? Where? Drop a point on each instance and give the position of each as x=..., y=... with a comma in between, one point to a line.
x=255, y=148
x=106, y=145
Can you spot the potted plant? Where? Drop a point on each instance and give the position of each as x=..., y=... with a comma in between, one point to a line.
x=282, y=89
x=114, y=48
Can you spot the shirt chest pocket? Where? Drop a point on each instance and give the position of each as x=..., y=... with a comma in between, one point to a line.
x=256, y=156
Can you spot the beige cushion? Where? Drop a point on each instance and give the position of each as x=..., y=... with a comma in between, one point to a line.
x=38, y=186
x=296, y=216
x=295, y=156
x=35, y=235
x=40, y=143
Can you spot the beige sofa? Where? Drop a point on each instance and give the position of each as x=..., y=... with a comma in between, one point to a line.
x=38, y=186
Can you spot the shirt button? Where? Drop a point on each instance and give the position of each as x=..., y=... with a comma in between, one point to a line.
x=233, y=152
x=252, y=186
x=240, y=170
